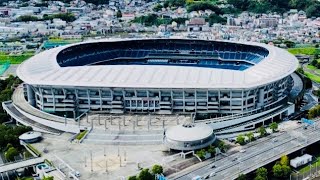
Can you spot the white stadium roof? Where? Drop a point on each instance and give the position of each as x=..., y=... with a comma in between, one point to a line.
x=189, y=132
x=43, y=69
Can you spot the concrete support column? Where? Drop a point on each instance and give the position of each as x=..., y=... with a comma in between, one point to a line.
x=261, y=97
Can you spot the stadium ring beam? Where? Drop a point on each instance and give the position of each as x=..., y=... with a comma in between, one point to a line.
x=158, y=76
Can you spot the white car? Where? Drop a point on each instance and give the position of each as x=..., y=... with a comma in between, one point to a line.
x=212, y=174
x=242, y=150
x=75, y=173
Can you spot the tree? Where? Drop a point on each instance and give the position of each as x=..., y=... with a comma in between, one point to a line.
x=242, y=177
x=157, y=7
x=300, y=70
x=314, y=62
x=133, y=178
x=286, y=170
x=313, y=10
x=250, y=136
x=289, y=44
x=259, y=178
x=273, y=126
x=27, y=18
x=212, y=150
x=145, y=175
x=240, y=4
x=277, y=170
x=11, y=153
x=204, y=5
x=214, y=18
x=240, y=139
x=222, y=146
x=284, y=160
x=119, y=14
x=262, y=131
x=157, y=169
x=262, y=172
x=201, y=153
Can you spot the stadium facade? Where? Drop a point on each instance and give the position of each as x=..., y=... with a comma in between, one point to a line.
x=161, y=76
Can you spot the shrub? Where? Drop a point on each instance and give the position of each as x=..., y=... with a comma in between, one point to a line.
x=11, y=153
x=157, y=169
x=81, y=134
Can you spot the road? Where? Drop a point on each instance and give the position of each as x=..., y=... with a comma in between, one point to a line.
x=255, y=156
x=311, y=99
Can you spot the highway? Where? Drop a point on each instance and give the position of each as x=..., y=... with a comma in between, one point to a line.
x=256, y=155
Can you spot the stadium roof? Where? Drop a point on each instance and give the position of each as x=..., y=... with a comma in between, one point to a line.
x=189, y=132
x=43, y=69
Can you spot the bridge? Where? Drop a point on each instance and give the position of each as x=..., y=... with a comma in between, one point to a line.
x=257, y=154
x=20, y=164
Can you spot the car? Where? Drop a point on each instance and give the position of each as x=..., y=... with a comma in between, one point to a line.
x=213, y=166
x=274, y=140
x=305, y=127
x=74, y=173
x=299, y=122
x=212, y=174
x=242, y=150
x=197, y=178
x=234, y=159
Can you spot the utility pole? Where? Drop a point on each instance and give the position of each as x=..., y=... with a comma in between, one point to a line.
x=91, y=161
x=106, y=165
x=105, y=124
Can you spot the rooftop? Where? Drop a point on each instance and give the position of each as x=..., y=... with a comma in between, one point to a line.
x=43, y=69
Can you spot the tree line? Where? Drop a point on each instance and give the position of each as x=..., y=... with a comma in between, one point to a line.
x=68, y=17
x=311, y=7
x=280, y=170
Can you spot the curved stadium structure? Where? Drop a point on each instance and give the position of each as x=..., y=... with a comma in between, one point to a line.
x=163, y=76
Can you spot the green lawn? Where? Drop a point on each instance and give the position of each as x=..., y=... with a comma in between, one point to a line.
x=15, y=59
x=306, y=50
x=311, y=67
x=313, y=77
x=80, y=135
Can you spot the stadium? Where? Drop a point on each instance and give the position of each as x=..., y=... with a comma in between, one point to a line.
x=160, y=76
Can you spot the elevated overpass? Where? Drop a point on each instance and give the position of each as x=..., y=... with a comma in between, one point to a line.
x=262, y=153
x=20, y=164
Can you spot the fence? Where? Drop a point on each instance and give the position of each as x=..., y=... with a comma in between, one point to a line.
x=312, y=173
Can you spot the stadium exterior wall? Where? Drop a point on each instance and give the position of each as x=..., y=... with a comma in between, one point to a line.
x=55, y=96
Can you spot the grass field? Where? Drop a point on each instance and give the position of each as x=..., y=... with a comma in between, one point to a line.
x=313, y=77
x=306, y=50
x=313, y=68
x=15, y=59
